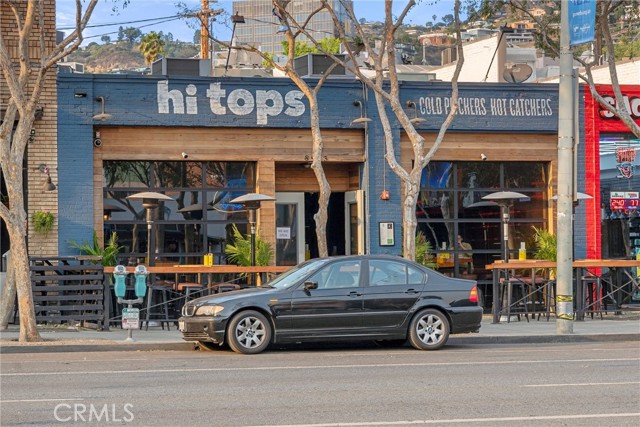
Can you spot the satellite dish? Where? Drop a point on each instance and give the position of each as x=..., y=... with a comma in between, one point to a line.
x=516, y=73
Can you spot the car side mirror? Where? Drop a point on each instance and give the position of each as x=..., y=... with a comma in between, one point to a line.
x=310, y=285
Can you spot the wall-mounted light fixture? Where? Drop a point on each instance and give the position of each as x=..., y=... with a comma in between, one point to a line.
x=48, y=185
x=102, y=116
x=415, y=120
x=80, y=95
x=362, y=118
x=32, y=135
x=39, y=113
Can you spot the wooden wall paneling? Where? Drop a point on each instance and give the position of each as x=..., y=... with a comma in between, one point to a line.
x=227, y=144
x=265, y=184
x=98, y=199
x=298, y=178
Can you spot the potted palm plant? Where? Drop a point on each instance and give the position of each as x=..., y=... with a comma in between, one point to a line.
x=108, y=253
x=239, y=252
x=424, y=251
x=546, y=246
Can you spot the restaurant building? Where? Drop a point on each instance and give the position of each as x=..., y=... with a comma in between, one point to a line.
x=204, y=141
x=613, y=225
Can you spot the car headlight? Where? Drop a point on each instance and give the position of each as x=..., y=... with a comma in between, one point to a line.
x=209, y=310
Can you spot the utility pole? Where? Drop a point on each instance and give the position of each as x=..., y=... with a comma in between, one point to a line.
x=204, y=30
x=564, y=275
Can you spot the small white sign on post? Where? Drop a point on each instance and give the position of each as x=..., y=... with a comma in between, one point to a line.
x=283, y=233
x=130, y=318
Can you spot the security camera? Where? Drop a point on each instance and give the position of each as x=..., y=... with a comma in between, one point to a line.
x=483, y=157
x=185, y=155
x=97, y=142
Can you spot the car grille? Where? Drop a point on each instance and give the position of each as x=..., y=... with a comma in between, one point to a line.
x=188, y=310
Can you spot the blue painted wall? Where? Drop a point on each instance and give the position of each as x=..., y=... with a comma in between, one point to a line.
x=134, y=101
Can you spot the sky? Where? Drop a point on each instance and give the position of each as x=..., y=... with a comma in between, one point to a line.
x=149, y=10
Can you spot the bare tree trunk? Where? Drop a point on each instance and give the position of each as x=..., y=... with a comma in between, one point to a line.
x=322, y=215
x=28, y=329
x=7, y=300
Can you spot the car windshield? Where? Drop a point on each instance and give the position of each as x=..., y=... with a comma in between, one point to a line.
x=293, y=276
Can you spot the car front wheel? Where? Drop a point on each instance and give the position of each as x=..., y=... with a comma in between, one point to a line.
x=249, y=332
x=429, y=330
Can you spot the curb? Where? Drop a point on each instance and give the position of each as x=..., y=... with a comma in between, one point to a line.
x=191, y=346
x=541, y=339
x=93, y=347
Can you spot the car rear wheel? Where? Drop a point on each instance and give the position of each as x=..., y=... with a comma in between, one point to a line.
x=249, y=332
x=429, y=330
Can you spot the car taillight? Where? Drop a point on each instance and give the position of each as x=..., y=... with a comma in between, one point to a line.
x=473, y=295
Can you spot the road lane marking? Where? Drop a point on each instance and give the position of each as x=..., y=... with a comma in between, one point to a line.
x=317, y=367
x=66, y=362
x=459, y=420
x=76, y=399
x=580, y=384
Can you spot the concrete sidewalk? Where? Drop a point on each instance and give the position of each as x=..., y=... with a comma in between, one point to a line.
x=625, y=327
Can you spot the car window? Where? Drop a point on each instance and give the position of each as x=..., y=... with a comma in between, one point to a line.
x=344, y=274
x=415, y=276
x=386, y=272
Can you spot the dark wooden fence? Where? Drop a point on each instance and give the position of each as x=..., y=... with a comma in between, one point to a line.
x=69, y=290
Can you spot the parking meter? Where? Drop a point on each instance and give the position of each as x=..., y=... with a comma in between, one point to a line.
x=141, y=274
x=130, y=315
x=120, y=276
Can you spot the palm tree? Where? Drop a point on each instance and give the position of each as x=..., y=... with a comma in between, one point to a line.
x=151, y=46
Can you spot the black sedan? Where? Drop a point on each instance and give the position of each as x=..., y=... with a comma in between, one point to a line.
x=383, y=298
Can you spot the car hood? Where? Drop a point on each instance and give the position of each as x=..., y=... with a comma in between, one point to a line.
x=225, y=297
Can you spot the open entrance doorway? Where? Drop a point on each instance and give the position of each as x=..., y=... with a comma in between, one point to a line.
x=296, y=238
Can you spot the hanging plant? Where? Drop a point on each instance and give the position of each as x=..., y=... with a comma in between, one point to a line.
x=43, y=222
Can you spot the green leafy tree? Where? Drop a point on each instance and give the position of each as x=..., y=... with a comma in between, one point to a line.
x=329, y=44
x=131, y=34
x=105, y=39
x=151, y=46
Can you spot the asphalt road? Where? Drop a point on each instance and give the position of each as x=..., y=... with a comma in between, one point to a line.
x=579, y=384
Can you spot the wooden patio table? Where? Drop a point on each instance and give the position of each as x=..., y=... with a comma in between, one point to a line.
x=581, y=266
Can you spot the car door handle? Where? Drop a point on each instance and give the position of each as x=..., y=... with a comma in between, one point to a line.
x=411, y=291
x=355, y=294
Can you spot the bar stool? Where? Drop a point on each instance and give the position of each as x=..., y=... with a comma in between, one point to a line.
x=592, y=300
x=158, y=299
x=189, y=291
x=519, y=288
x=217, y=288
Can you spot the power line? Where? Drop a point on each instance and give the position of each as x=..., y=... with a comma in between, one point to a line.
x=167, y=18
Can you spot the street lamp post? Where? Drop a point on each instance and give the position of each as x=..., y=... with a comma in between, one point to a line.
x=251, y=202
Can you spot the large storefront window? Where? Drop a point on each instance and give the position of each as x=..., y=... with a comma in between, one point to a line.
x=197, y=221
x=466, y=231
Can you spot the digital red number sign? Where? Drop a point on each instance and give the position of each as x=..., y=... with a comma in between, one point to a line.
x=624, y=201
